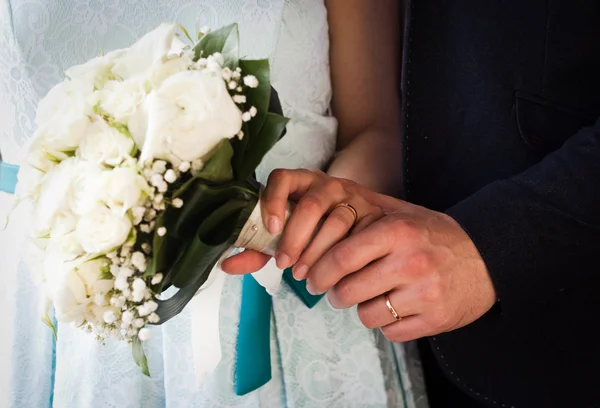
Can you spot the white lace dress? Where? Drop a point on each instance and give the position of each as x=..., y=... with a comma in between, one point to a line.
x=321, y=356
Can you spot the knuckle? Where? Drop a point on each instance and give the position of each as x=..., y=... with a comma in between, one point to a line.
x=366, y=317
x=419, y=263
x=277, y=176
x=406, y=229
x=345, y=293
x=341, y=254
x=311, y=203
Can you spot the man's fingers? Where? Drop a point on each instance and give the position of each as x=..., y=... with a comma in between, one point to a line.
x=244, y=263
x=350, y=255
x=367, y=284
x=407, y=329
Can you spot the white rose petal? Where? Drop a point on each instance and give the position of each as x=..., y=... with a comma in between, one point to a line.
x=189, y=116
x=97, y=69
x=122, y=189
x=53, y=196
x=102, y=230
x=104, y=144
x=63, y=118
x=149, y=52
x=91, y=274
x=121, y=99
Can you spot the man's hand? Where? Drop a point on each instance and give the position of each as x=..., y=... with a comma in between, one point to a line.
x=423, y=260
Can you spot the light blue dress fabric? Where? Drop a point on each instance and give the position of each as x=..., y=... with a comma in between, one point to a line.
x=320, y=357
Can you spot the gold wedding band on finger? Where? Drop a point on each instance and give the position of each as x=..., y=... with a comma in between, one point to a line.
x=391, y=308
x=349, y=207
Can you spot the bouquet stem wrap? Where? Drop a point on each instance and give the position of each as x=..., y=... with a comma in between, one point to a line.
x=206, y=305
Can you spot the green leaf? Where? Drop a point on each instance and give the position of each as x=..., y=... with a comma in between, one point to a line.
x=270, y=133
x=200, y=199
x=48, y=322
x=218, y=168
x=216, y=234
x=140, y=357
x=250, y=151
x=185, y=32
x=224, y=40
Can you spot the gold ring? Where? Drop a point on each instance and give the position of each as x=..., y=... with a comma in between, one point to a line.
x=349, y=207
x=391, y=308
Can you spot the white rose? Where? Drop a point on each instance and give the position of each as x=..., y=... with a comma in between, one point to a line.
x=104, y=144
x=74, y=285
x=30, y=182
x=63, y=286
x=60, y=96
x=151, y=50
x=53, y=194
x=63, y=118
x=91, y=273
x=188, y=116
x=122, y=189
x=138, y=125
x=170, y=68
x=81, y=195
x=102, y=230
x=121, y=99
x=97, y=69
x=64, y=235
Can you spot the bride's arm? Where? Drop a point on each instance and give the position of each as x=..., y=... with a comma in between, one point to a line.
x=365, y=55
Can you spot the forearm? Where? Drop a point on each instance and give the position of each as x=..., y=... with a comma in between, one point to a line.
x=539, y=232
x=374, y=160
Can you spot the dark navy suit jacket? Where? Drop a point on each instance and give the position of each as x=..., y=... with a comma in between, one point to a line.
x=501, y=102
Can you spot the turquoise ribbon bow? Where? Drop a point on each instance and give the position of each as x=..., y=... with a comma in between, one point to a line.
x=8, y=177
x=253, y=360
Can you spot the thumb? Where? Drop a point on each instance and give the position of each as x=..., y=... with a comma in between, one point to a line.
x=244, y=263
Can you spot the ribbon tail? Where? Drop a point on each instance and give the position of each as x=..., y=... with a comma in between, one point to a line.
x=206, y=339
x=253, y=360
x=269, y=277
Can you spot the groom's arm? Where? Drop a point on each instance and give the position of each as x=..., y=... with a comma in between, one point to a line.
x=539, y=232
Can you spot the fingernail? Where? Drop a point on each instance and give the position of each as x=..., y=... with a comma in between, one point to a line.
x=310, y=289
x=283, y=261
x=300, y=272
x=274, y=225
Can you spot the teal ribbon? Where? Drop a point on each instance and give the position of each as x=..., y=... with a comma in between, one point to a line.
x=253, y=359
x=8, y=177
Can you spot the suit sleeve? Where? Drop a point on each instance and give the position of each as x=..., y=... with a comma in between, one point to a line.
x=539, y=232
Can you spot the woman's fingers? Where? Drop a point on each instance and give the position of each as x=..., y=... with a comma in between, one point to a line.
x=246, y=262
x=338, y=224
x=305, y=219
x=282, y=186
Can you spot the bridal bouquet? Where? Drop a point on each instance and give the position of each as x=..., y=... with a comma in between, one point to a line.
x=141, y=175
